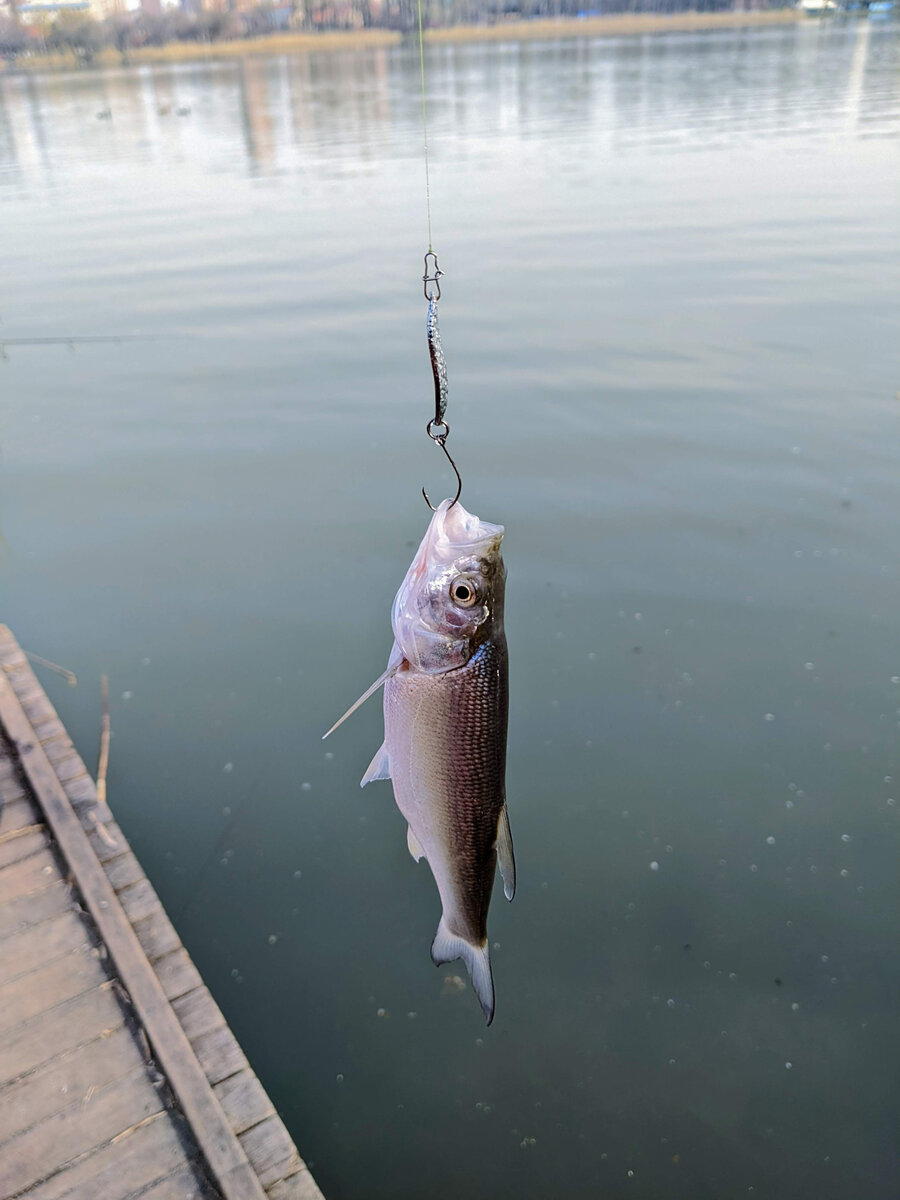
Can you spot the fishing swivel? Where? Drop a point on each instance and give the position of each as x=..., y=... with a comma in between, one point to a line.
x=432, y=275
x=437, y=428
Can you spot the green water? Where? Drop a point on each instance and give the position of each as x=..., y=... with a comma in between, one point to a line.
x=671, y=316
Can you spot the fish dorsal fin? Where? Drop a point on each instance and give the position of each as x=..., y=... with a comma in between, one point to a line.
x=394, y=663
x=505, y=856
x=378, y=768
x=415, y=848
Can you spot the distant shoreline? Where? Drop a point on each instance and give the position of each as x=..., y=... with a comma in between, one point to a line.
x=615, y=25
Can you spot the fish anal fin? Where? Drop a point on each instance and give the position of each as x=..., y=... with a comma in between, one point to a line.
x=448, y=946
x=378, y=768
x=414, y=845
x=505, y=857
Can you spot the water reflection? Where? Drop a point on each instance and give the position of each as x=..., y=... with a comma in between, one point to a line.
x=631, y=92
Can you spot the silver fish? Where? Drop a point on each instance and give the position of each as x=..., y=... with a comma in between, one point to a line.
x=445, y=716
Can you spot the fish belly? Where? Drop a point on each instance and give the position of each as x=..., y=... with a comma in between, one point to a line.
x=446, y=741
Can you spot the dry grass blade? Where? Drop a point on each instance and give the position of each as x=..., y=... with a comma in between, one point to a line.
x=103, y=761
x=70, y=676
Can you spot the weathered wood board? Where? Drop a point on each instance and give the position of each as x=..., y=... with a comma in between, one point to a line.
x=118, y=1072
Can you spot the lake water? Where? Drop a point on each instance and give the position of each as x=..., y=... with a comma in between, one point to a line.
x=671, y=316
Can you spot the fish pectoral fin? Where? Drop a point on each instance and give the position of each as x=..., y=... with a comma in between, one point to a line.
x=448, y=945
x=394, y=664
x=414, y=845
x=378, y=768
x=505, y=856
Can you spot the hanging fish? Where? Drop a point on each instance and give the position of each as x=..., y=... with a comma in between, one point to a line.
x=445, y=716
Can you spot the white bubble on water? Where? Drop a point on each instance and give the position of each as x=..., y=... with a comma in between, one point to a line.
x=788, y=1065
x=228, y=768
x=273, y=938
x=769, y=717
x=770, y=841
x=809, y=666
x=305, y=787
x=754, y=868
x=845, y=837
x=654, y=866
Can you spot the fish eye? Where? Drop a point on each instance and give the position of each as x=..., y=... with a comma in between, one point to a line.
x=464, y=591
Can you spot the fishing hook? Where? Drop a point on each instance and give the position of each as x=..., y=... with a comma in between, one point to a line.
x=441, y=440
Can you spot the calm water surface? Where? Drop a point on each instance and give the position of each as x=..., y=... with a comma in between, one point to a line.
x=672, y=323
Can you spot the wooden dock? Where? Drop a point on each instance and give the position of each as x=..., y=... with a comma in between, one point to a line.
x=119, y=1077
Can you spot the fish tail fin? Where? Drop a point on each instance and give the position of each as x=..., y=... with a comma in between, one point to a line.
x=448, y=946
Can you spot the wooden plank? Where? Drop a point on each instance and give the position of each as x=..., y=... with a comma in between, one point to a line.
x=270, y=1150
x=156, y=935
x=58, y=1030
x=78, y=1129
x=104, y=848
x=177, y=974
x=219, y=1054
x=10, y=650
x=222, y=1151
x=42, y=945
x=244, y=1100
x=30, y=875
x=52, y=985
x=70, y=767
x=48, y=729
x=17, y=814
x=198, y=1013
x=124, y=871
x=26, y=911
x=185, y=1184
x=299, y=1186
x=75, y=1076
x=59, y=748
x=134, y=1160
x=21, y=830
x=139, y=901
x=17, y=848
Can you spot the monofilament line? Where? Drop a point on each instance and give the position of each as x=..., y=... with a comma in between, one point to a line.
x=425, y=125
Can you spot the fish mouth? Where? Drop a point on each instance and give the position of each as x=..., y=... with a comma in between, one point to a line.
x=454, y=526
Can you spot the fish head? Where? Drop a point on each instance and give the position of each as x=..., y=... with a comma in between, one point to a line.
x=451, y=600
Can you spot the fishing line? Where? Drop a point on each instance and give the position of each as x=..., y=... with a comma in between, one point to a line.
x=425, y=127
x=437, y=428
